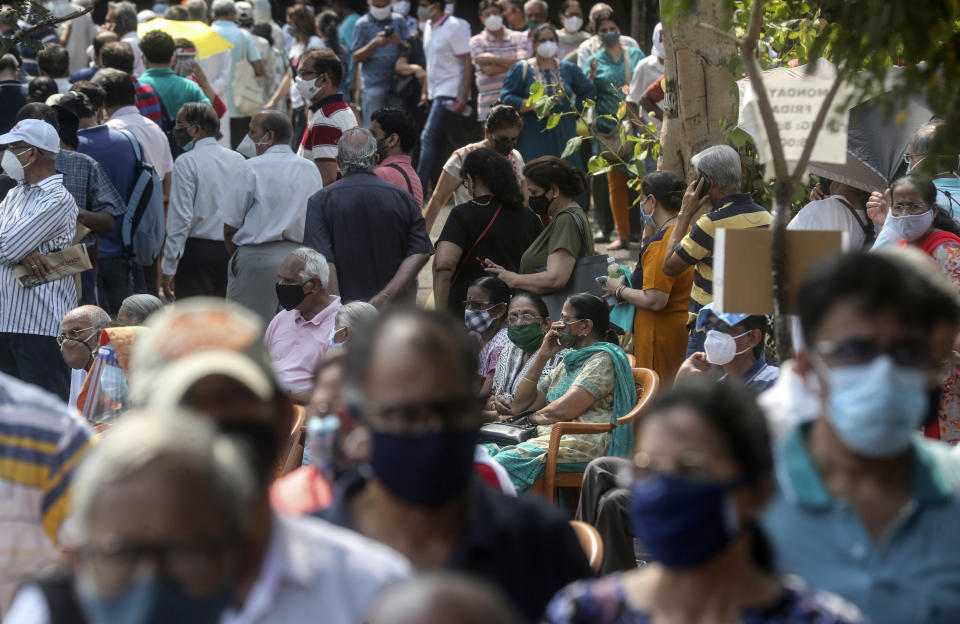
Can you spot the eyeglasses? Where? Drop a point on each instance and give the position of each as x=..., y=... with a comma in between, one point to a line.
x=476, y=305
x=909, y=158
x=567, y=323
x=73, y=334
x=911, y=208
x=303, y=75
x=415, y=418
x=522, y=319
x=689, y=465
x=857, y=351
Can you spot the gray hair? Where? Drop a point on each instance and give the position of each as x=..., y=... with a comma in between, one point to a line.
x=356, y=313
x=279, y=124
x=223, y=8
x=531, y=3
x=923, y=139
x=188, y=443
x=124, y=14
x=357, y=151
x=197, y=10
x=139, y=307
x=722, y=164
x=314, y=265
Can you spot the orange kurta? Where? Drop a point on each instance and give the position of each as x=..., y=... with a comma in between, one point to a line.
x=660, y=338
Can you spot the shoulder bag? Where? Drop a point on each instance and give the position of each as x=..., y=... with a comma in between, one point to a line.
x=247, y=90
x=584, y=276
x=509, y=432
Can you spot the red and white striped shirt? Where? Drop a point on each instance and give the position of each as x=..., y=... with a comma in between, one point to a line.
x=332, y=116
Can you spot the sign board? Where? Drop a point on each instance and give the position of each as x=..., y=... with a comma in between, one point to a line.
x=742, y=273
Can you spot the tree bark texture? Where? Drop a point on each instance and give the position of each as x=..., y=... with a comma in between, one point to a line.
x=700, y=87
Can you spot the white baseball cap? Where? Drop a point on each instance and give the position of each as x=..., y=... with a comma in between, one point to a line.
x=35, y=132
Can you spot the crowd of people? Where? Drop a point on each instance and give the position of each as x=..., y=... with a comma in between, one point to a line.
x=225, y=395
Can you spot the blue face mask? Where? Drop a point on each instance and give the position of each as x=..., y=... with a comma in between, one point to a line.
x=156, y=601
x=426, y=470
x=876, y=407
x=682, y=522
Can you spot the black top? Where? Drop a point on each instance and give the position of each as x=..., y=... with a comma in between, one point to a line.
x=12, y=99
x=366, y=227
x=524, y=546
x=507, y=239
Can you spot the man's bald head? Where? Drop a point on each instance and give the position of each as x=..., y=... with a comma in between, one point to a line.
x=274, y=121
x=443, y=598
x=91, y=315
x=357, y=151
x=598, y=7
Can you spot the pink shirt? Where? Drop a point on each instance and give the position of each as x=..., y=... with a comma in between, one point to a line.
x=296, y=345
x=391, y=175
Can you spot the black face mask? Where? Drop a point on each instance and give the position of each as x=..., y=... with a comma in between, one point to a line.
x=259, y=440
x=290, y=295
x=540, y=204
x=504, y=145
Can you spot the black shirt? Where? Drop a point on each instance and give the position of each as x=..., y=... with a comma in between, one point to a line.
x=523, y=546
x=12, y=99
x=504, y=243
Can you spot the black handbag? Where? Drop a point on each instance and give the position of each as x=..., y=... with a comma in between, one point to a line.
x=582, y=280
x=508, y=432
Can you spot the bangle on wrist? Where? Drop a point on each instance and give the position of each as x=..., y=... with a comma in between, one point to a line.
x=619, y=292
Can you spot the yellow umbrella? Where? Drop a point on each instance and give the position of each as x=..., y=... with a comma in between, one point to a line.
x=207, y=41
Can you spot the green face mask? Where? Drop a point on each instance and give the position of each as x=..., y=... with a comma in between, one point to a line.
x=527, y=337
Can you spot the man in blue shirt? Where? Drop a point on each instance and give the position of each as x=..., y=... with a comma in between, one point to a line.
x=377, y=40
x=865, y=507
x=113, y=150
x=225, y=24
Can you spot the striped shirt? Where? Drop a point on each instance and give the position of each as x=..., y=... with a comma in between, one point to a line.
x=148, y=102
x=513, y=45
x=41, y=443
x=332, y=116
x=35, y=216
x=736, y=212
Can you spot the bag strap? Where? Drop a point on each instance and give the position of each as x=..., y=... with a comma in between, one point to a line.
x=583, y=238
x=466, y=256
x=406, y=178
x=866, y=227
x=134, y=143
x=523, y=74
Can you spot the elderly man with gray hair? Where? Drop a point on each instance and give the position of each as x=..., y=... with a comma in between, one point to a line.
x=370, y=231
x=122, y=19
x=299, y=336
x=263, y=229
x=719, y=184
x=224, y=23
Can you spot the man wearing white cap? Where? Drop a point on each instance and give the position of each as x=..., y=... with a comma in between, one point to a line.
x=37, y=217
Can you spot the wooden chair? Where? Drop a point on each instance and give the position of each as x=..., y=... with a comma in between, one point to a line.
x=557, y=475
x=632, y=360
x=291, y=455
x=591, y=542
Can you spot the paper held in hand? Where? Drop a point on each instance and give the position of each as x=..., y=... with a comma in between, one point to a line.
x=59, y=264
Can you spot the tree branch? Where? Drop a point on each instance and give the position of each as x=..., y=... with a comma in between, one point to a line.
x=22, y=34
x=720, y=33
x=821, y=118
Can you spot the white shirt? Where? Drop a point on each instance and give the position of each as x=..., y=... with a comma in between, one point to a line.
x=278, y=185
x=217, y=68
x=832, y=213
x=647, y=70
x=206, y=179
x=134, y=41
x=156, y=148
x=446, y=44
x=77, y=377
x=314, y=567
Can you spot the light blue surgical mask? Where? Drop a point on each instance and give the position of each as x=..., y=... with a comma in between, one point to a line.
x=155, y=601
x=332, y=344
x=876, y=407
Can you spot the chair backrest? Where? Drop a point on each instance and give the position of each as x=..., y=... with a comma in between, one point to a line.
x=291, y=446
x=591, y=542
x=648, y=385
x=632, y=360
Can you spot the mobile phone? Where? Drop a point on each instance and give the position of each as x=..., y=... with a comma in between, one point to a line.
x=825, y=186
x=388, y=31
x=184, y=61
x=705, y=189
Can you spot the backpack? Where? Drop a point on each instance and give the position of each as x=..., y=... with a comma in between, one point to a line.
x=143, y=226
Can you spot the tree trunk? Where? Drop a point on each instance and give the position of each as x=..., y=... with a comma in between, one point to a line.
x=700, y=88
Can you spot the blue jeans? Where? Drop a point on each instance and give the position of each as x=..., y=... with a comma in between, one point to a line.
x=442, y=133
x=371, y=102
x=695, y=344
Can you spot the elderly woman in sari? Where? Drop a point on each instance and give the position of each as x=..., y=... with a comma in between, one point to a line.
x=528, y=321
x=593, y=384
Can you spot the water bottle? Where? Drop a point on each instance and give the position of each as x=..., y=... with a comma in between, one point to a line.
x=321, y=445
x=613, y=272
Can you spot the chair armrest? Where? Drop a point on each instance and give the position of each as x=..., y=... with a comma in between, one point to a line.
x=561, y=429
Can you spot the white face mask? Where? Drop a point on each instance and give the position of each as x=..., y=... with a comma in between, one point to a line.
x=11, y=164
x=248, y=148
x=380, y=13
x=547, y=49
x=493, y=23
x=306, y=88
x=721, y=348
x=913, y=227
x=572, y=23
x=403, y=7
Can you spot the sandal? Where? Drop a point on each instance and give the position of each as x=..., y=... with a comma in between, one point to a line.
x=618, y=245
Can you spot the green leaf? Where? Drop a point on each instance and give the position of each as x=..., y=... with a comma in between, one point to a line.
x=553, y=120
x=589, y=104
x=621, y=111
x=543, y=107
x=536, y=92
x=596, y=164
x=572, y=146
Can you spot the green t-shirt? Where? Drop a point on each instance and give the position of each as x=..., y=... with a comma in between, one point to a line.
x=562, y=233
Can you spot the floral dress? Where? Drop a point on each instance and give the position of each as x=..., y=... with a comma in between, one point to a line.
x=605, y=601
x=947, y=257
